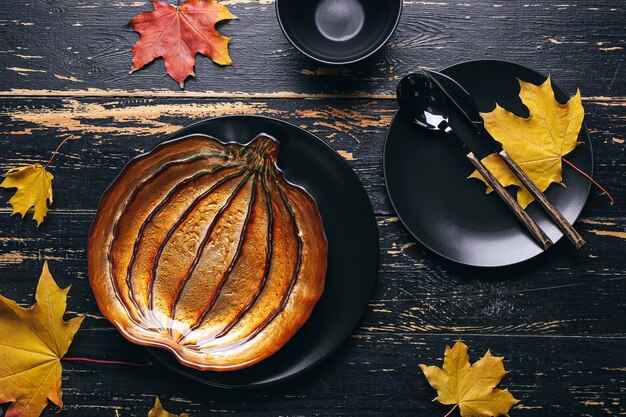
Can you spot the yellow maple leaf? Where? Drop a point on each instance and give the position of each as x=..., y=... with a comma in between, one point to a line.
x=537, y=143
x=158, y=411
x=32, y=343
x=34, y=190
x=470, y=387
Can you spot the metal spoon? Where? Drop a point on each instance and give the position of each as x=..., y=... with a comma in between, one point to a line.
x=426, y=105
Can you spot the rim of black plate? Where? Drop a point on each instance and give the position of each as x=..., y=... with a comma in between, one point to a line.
x=181, y=369
x=438, y=253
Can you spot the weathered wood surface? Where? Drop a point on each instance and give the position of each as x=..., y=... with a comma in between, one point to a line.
x=80, y=45
x=559, y=319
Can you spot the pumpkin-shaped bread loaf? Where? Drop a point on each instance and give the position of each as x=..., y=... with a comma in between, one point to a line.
x=203, y=248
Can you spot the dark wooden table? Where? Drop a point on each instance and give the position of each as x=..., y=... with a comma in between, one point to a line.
x=559, y=320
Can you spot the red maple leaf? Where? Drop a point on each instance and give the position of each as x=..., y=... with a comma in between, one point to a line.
x=178, y=33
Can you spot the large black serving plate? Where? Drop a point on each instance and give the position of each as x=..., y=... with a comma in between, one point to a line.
x=426, y=177
x=352, y=235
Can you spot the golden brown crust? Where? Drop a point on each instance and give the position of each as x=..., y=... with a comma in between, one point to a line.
x=203, y=248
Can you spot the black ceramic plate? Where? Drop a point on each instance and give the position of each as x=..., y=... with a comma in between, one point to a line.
x=426, y=177
x=352, y=235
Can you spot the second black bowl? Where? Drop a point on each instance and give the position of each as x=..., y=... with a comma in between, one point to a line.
x=338, y=31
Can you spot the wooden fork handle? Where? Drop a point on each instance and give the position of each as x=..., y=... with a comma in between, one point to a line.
x=565, y=226
x=532, y=227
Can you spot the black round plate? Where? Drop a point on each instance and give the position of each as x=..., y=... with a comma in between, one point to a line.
x=426, y=177
x=352, y=235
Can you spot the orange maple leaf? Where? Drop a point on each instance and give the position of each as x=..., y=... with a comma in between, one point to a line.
x=178, y=33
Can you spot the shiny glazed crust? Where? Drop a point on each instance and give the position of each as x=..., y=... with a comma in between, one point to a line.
x=203, y=248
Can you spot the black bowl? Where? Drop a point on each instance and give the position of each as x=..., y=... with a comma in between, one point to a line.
x=338, y=31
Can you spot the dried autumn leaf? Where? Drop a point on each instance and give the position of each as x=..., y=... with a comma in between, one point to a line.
x=34, y=190
x=32, y=343
x=537, y=143
x=178, y=33
x=470, y=387
x=158, y=411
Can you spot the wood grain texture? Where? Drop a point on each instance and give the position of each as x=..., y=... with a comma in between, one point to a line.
x=560, y=220
x=531, y=226
x=558, y=320
x=581, y=43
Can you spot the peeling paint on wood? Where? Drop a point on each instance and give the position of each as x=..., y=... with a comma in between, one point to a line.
x=554, y=318
x=95, y=92
x=63, y=77
x=621, y=235
x=591, y=221
x=430, y=35
x=81, y=118
x=19, y=69
x=347, y=155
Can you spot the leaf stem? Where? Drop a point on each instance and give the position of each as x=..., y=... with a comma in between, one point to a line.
x=107, y=362
x=605, y=192
x=453, y=408
x=56, y=151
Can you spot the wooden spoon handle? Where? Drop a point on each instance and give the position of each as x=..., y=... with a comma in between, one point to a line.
x=524, y=217
x=567, y=229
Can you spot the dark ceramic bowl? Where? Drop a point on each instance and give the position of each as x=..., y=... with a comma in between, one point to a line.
x=338, y=31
